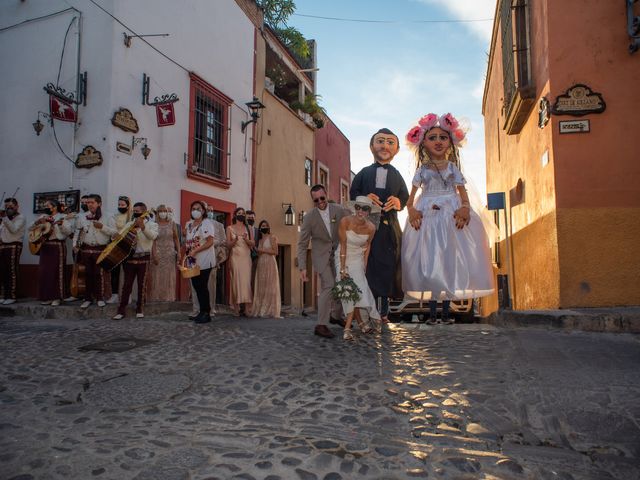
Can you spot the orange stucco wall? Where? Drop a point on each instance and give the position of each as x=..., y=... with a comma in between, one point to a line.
x=574, y=243
x=598, y=173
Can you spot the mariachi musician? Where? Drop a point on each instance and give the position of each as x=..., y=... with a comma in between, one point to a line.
x=93, y=237
x=12, y=229
x=53, y=252
x=116, y=224
x=136, y=265
x=78, y=273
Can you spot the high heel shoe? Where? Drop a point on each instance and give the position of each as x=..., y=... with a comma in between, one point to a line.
x=363, y=325
x=377, y=326
x=347, y=335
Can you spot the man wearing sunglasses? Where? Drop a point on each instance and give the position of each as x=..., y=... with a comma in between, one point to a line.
x=384, y=185
x=320, y=226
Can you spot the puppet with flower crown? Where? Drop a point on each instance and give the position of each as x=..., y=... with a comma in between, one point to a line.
x=445, y=249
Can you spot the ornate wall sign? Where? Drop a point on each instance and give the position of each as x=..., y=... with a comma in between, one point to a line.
x=577, y=101
x=165, y=114
x=544, y=112
x=88, y=158
x=123, y=119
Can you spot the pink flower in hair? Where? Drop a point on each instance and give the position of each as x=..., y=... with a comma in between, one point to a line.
x=457, y=136
x=414, y=136
x=448, y=122
x=428, y=121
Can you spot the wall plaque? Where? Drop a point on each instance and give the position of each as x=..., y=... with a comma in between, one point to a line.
x=88, y=158
x=124, y=120
x=123, y=147
x=574, y=126
x=577, y=101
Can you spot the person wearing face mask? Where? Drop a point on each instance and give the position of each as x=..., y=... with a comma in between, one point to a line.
x=253, y=234
x=220, y=249
x=12, y=228
x=199, y=240
x=53, y=254
x=72, y=221
x=164, y=258
x=240, y=243
x=266, y=294
x=136, y=265
x=115, y=225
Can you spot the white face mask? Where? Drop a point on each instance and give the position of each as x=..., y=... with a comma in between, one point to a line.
x=196, y=214
x=210, y=215
x=162, y=215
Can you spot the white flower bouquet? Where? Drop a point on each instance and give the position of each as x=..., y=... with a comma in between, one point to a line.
x=346, y=290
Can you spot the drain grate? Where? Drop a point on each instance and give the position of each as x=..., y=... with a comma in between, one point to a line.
x=116, y=345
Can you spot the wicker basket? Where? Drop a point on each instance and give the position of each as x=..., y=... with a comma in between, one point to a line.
x=189, y=272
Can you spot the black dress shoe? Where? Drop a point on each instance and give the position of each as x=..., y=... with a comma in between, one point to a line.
x=323, y=331
x=337, y=321
x=202, y=318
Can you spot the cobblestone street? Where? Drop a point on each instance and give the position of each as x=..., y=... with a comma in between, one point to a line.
x=266, y=399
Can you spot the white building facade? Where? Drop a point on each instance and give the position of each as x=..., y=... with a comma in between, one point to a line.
x=204, y=55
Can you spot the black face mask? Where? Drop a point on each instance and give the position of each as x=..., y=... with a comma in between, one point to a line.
x=251, y=221
x=84, y=207
x=47, y=211
x=11, y=211
x=241, y=218
x=123, y=209
x=265, y=230
x=136, y=215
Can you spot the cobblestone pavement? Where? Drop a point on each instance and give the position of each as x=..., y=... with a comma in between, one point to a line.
x=265, y=399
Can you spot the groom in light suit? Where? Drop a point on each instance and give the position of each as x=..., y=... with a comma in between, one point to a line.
x=321, y=227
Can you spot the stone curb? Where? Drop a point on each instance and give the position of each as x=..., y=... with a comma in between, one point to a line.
x=620, y=320
x=73, y=310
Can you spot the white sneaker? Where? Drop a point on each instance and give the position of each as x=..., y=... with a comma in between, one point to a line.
x=119, y=316
x=9, y=301
x=55, y=303
x=85, y=304
x=101, y=303
x=114, y=298
x=46, y=303
x=139, y=315
x=70, y=299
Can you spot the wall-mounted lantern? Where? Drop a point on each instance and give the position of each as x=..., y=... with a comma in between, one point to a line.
x=38, y=126
x=254, y=111
x=289, y=214
x=145, y=150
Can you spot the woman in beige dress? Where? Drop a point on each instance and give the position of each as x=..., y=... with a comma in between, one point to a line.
x=164, y=258
x=266, y=294
x=239, y=242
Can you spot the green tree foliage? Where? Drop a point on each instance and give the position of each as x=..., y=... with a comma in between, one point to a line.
x=276, y=14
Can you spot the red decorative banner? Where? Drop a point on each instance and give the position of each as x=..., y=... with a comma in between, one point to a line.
x=62, y=110
x=165, y=114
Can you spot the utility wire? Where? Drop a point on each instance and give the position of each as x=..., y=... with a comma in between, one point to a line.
x=140, y=37
x=38, y=18
x=362, y=20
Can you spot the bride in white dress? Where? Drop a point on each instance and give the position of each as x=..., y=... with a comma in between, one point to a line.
x=355, y=235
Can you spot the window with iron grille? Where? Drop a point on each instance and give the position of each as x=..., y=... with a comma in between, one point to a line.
x=208, y=130
x=308, y=171
x=516, y=53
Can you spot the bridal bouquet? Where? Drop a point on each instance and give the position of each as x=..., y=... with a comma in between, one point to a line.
x=346, y=290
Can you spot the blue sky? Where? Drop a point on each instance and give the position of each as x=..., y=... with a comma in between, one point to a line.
x=375, y=75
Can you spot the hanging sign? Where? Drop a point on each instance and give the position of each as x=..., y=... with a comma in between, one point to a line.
x=577, y=101
x=62, y=110
x=123, y=119
x=88, y=158
x=165, y=114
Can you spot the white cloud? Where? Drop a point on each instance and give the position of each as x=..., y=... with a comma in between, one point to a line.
x=470, y=10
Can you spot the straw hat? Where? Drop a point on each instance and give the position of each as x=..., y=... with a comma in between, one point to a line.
x=363, y=201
